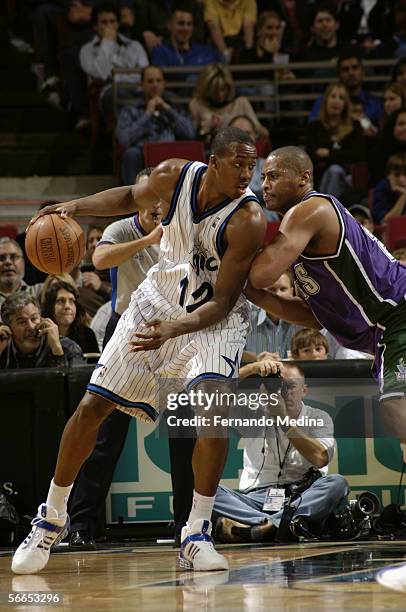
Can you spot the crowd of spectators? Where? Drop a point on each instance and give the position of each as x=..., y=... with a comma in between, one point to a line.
x=79, y=44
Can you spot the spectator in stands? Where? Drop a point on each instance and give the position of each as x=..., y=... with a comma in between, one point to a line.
x=324, y=44
x=277, y=457
x=391, y=140
x=12, y=271
x=215, y=104
x=152, y=118
x=268, y=42
x=231, y=24
x=380, y=19
x=353, y=18
x=110, y=50
x=268, y=49
x=244, y=123
x=50, y=280
x=389, y=195
x=363, y=215
x=179, y=49
x=28, y=340
x=335, y=141
x=61, y=305
x=94, y=287
x=79, y=32
x=152, y=18
x=394, y=98
x=270, y=338
x=351, y=74
x=296, y=14
x=45, y=17
x=399, y=73
x=308, y=344
x=358, y=114
x=400, y=255
x=394, y=43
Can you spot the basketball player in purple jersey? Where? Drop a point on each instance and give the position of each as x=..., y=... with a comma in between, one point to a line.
x=186, y=321
x=346, y=279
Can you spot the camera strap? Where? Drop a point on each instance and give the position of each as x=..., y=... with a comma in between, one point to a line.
x=281, y=461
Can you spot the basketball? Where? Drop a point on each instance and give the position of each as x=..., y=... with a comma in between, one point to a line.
x=55, y=245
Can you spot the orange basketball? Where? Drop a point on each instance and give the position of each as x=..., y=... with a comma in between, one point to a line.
x=55, y=245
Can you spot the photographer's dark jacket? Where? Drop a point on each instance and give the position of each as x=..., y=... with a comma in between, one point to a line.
x=12, y=359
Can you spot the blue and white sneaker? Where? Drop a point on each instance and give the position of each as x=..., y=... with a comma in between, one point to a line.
x=197, y=551
x=48, y=529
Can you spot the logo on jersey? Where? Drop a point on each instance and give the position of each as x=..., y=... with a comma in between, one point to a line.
x=216, y=222
x=401, y=373
x=102, y=369
x=233, y=363
x=202, y=261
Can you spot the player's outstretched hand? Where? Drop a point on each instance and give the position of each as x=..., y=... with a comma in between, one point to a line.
x=65, y=209
x=157, y=332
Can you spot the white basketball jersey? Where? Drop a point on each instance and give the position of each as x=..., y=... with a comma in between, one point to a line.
x=191, y=250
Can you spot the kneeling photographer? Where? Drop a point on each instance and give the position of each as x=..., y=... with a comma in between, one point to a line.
x=284, y=463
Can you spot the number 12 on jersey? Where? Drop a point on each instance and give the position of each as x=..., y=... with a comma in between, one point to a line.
x=204, y=293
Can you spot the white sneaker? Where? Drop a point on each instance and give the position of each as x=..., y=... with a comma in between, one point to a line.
x=393, y=578
x=197, y=551
x=33, y=554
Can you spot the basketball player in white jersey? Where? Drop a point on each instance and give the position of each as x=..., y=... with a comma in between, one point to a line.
x=187, y=320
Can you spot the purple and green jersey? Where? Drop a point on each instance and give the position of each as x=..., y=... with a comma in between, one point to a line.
x=354, y=290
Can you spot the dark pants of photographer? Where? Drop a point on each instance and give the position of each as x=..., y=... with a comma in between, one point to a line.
x=87, y=507
x=324, y=496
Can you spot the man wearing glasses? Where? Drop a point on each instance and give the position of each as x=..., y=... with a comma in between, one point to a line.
x=12, y=271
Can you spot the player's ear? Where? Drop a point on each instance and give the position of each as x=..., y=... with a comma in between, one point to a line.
x=213, y=161
x=304, y=179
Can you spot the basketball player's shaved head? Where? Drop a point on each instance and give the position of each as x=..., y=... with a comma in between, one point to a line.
x=294, y=158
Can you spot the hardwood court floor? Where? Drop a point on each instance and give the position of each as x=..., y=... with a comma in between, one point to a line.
x=306, y=577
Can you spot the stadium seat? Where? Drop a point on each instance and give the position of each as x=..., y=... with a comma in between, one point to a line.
x=359, y=175
x=395, y=234
x=155, y=152
x=8, y=229
x=263, y=146
x=271, y=231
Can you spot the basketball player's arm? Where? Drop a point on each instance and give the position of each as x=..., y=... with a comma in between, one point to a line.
x=290, y=309
x=297, y=229
x=244, y=236
x=299, y=226
x=124, y=200
x=110, y=255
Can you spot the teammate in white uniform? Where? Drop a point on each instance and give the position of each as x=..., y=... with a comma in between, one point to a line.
x=212, y=229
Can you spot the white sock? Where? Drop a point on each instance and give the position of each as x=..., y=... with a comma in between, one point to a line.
x=202, y=507
x=58, y=498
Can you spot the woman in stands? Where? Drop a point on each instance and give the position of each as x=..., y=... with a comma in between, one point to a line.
x=215, y=104
x=335, y=141
x=61, y=304
x=394, y=98
x=391, y=140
